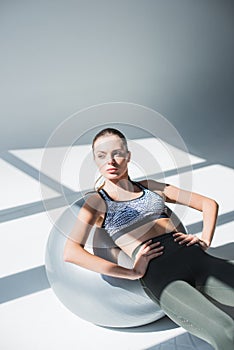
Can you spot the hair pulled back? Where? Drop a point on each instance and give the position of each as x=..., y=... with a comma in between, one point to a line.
x=110, y=131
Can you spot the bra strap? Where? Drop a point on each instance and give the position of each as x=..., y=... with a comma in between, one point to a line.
x=104, y=195
x=139, y=185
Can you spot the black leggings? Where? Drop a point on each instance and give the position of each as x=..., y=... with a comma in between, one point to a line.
x=178, y=281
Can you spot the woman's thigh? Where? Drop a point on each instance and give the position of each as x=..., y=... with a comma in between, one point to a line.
x=194, y=312
x=164, y=270
x=216, y=278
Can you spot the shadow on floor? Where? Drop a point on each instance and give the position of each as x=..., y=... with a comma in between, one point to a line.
x=165, y=323
x=182, y=341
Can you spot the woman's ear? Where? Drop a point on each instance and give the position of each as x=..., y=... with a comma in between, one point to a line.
x=128, y=156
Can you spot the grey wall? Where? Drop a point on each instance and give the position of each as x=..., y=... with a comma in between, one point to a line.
x=175, y=56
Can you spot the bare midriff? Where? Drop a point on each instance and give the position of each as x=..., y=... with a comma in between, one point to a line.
x=129, y=241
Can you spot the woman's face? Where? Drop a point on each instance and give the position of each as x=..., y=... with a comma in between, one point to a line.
x=111, y=156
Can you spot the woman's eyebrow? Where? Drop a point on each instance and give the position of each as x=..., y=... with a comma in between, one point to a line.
x=118, y=149
x=101, y=152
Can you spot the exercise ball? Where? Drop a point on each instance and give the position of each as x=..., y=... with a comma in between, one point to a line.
x=100, y=299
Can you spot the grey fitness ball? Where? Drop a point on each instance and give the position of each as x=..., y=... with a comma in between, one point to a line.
x=100, y=299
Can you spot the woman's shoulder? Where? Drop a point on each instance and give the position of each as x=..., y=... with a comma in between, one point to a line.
x=94, y=201
x=153, y=185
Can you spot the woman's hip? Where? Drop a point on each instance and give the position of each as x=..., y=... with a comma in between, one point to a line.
x=166, y=240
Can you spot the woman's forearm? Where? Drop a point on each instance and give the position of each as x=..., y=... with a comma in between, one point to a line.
x=76, y=254
x=210, y=212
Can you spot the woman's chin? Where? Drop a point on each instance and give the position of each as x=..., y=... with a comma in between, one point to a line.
x=115, y=176
x=112, y=177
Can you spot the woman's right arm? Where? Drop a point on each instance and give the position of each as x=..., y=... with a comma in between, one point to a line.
x=75, y=253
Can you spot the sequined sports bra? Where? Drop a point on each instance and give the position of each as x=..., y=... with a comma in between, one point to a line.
x=123, y=216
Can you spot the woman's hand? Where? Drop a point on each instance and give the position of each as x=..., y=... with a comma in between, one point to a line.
x=188, y=239
x=147, y=252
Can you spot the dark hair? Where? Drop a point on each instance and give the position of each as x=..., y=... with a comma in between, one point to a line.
x=110, y=131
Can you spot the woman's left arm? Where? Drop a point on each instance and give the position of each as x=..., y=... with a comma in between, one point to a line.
x=208, y=206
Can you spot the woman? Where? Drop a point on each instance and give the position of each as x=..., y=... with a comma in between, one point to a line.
x=172, y=266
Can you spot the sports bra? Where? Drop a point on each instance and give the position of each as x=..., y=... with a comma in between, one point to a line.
x=123, y=216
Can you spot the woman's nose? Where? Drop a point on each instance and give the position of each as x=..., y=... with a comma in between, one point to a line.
x=110, y=160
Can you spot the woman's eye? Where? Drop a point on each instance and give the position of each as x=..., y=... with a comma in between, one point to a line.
x=118, y=154
x=100, y=156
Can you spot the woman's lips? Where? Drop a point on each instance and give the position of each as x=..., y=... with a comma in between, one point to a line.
x=111, y=170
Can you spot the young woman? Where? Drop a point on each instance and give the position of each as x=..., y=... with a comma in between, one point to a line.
x=173, y=267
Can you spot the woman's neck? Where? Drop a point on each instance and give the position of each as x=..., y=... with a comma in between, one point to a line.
x=123, y=184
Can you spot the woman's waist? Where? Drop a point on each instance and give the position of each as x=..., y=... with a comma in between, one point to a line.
x=164, y=239
x=131, y=240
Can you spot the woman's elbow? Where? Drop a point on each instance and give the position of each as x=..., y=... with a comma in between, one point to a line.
x=67, y=255
x=68, y=251
x=214, y=204
x=72, y=251
x=210, y=204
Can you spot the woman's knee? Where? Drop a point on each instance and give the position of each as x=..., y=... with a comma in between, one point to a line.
x=223, y=339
